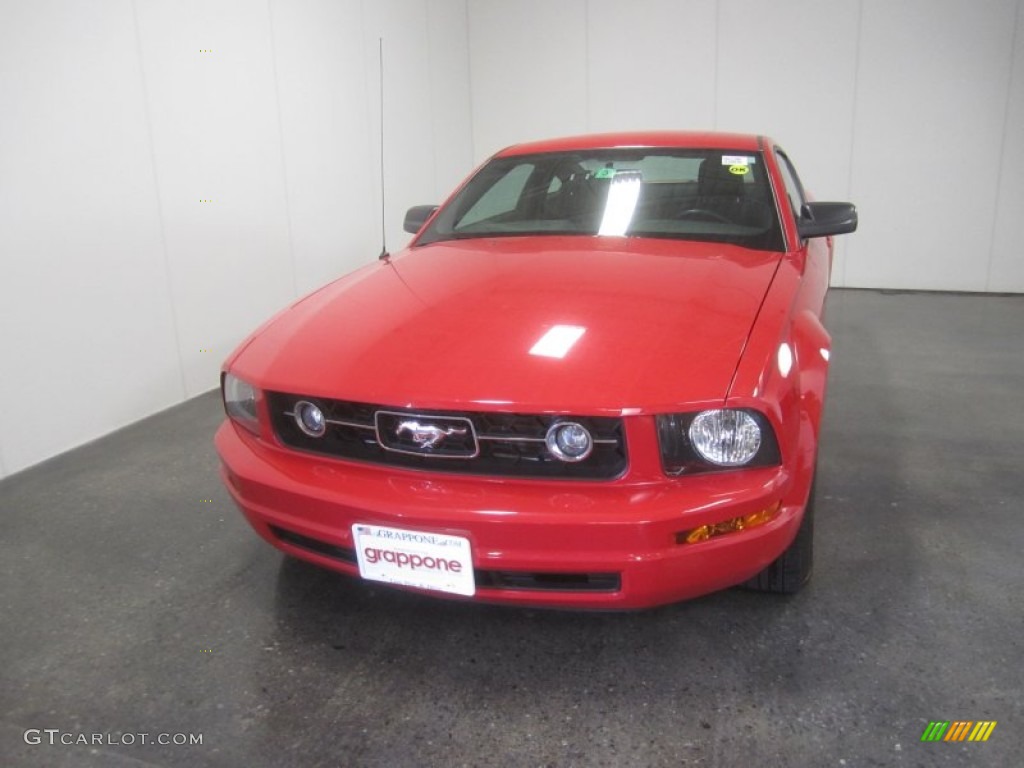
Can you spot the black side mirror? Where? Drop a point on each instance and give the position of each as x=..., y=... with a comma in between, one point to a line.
x=827, y=219
x=417, y=216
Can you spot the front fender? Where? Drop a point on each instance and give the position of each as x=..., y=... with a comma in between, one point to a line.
x=812, y=348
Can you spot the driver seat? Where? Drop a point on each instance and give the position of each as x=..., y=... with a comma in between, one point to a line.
x=719, y=190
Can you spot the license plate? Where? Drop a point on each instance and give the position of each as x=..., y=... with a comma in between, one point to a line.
x=414, y=558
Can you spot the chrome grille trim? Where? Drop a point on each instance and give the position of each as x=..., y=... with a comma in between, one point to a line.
x=501, y=438
x=506, y=444
x=603, y=441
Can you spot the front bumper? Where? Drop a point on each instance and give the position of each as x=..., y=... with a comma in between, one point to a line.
x=602, y=545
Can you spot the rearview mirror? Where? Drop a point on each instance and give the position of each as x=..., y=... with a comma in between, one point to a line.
x=417, y=216
x=827, y=219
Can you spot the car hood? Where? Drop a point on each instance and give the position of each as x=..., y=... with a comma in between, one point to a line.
x=457, y=324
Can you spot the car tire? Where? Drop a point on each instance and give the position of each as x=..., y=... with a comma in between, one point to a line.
x=792, y=569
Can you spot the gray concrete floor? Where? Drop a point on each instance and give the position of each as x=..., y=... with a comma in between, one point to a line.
x=136, y=600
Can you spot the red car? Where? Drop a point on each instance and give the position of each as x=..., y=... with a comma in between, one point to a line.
x=593, y=379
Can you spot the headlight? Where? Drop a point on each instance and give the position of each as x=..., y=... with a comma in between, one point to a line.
x=725, y=437
x=240, y=402
x=717, y=438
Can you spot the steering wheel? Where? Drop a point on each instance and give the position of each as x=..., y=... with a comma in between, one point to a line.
x=705, y=213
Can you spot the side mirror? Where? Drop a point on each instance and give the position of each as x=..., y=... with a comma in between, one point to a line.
x=417, y=216
x=827, y=219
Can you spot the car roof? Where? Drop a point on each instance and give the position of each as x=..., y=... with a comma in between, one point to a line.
x=682, y=139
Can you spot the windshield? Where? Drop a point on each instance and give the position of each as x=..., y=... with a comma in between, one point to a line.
x=684, y=194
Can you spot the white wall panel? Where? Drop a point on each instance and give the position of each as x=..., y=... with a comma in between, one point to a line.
x=931, y=98
x=419, y=135
x=451, y=113
x=528, y=71
x=121, y=288
x=328, y=74
x=651, y=64
x=1006, y=270
x=86, y=332
x=900, y=106
x=787, y=69
x=211, y=94
x=322, y=84
x=408, y=125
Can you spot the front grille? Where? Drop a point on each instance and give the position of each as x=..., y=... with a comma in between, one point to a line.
x=517, y=580
x=478, y=443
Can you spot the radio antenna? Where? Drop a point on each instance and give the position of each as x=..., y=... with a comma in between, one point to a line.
x=383, y=211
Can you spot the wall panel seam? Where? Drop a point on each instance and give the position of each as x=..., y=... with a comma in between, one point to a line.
x=586, y=66
x=858, y=40
x=431, y=79
x=173, y=306
x=469, y=83
x=284, y=156
x=373, y=98
x=1002, y=148
x=714, y=75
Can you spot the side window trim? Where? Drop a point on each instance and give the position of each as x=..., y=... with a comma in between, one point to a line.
x=792, y=182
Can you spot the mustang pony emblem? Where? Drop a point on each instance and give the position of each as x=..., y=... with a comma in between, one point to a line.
x=427, y=435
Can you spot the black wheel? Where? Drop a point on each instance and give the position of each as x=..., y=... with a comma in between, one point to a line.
x=788, y=574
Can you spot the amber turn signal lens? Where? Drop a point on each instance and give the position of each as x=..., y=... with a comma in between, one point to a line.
x=706, y=532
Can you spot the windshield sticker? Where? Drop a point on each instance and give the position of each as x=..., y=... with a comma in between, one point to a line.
x=739, y=170
x=605, y=173
x=737, y=160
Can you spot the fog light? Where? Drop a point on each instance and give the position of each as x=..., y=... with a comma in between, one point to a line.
x=733, y=525
x=569, y=441
x=310, y=418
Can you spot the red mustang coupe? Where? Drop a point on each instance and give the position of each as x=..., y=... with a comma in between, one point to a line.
x=594, y=378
